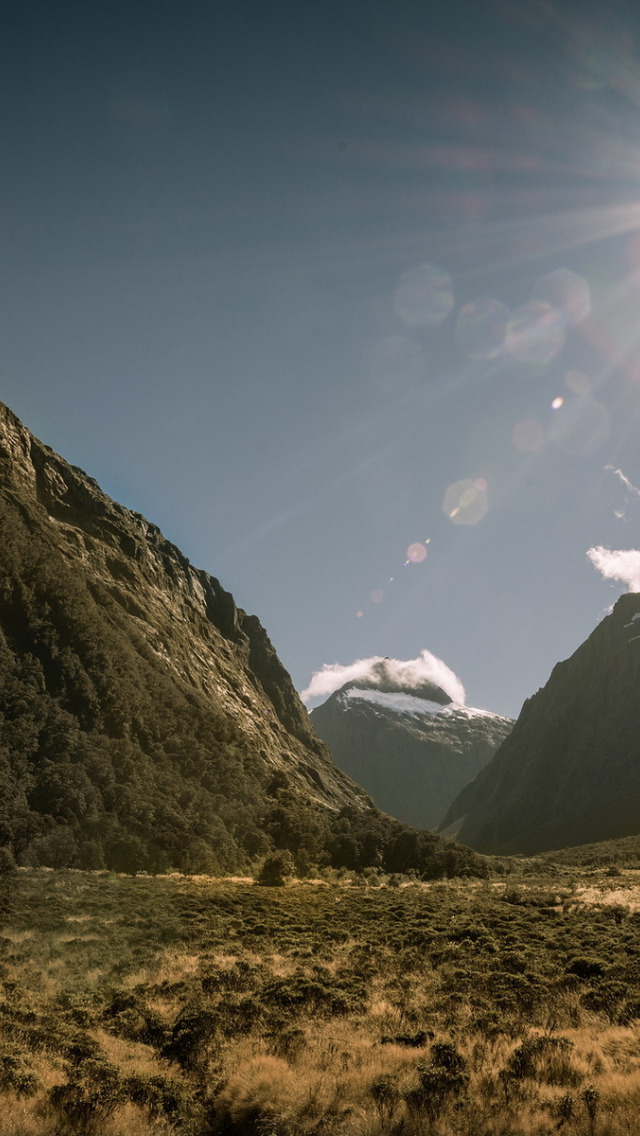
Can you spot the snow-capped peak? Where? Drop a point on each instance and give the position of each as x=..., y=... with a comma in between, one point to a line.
x=410, y=704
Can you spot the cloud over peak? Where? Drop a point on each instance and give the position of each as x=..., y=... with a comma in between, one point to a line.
x=408, y=674
x=617, y=564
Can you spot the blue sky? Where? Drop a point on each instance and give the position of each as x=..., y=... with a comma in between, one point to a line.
x=259, y=266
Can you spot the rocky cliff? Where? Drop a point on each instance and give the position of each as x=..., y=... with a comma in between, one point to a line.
x=108, y=632
x=570, y=772
x=412, y=748
x=146, y=721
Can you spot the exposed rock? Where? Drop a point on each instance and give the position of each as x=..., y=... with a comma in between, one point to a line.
x=146, y=722
x=111, y=617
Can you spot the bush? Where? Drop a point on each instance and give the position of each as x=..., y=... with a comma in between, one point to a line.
x=444, y=1077
x=586, y=967
x=545, y=1059
x=162, y=1096
x=90, y=1097
x=276, y=870
x=13, y=1077
x=192, y=1032
x=386, y=1097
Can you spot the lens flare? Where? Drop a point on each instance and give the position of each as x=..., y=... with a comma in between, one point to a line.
x=416, y=553
x=481, y=328
x=465, y=503
x=424, y=296
x=396, y=364
x=377, y=596
x=577, y=382
x=581, y=426
x=535, y=333
x=528, y=436
x=566, y=291
x=557, y=403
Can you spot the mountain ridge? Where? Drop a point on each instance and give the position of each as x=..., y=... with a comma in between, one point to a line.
x=128, y=551
x=569, y=773
x=413, y=753
x=146, y=721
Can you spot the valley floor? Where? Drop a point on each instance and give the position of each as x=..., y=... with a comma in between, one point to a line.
x=132, y=1006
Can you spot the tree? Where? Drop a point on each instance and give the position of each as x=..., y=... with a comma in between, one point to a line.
x=277, y=868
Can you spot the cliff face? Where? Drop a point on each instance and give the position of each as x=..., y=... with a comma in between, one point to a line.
x=570, y=771
x=412, y=753
x=127, y=672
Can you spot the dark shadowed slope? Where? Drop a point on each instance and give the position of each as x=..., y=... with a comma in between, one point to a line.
x=145, y=720
x=412, y=750
x=570, y=771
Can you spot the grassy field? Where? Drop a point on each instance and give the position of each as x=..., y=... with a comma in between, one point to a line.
x=137, y=1005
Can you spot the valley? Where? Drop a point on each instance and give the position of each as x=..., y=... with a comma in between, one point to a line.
x=320, y=569
x=158, y=771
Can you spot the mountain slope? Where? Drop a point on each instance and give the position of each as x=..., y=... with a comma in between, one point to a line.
x=413, y=749
x=570, y=771
x=145, y=720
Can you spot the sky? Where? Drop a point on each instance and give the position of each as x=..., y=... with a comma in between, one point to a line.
x=345, y=297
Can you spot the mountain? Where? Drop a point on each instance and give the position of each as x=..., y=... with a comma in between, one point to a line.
x=412, y=747
x=146, y=721
x=569, y=773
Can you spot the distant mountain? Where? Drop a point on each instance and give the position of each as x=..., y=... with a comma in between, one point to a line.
x=569, y=773
x=412, y=748
x=146, y=722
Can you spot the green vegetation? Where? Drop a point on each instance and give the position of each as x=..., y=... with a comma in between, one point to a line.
x=111, y=758
x=611, y=854
x=132, y=1006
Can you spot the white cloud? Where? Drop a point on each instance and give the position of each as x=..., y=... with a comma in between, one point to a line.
x=409, y=674
x=618, y=564
x=624, y=479
x=632, y=491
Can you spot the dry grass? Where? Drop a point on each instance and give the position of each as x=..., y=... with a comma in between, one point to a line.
x=627, y=897
x=218, y=1009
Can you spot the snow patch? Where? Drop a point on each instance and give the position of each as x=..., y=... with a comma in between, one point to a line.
x=409, y=704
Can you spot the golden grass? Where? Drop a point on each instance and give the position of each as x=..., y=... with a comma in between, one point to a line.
x=300, y=1071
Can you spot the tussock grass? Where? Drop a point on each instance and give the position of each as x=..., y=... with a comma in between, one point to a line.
x=143, y=1007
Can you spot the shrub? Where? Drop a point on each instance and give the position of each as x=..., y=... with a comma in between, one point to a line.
x=445, y=1076
x=564, y=1109
x=162, y=1096
x=545, y=1059
x=591, y=1098
x=88, y=1099
x=386, y=1097
x=191, y=1033
x=276, y=870
x=586, y=967
x=13, y=1077
x=313, y=995
x=289, y=1043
